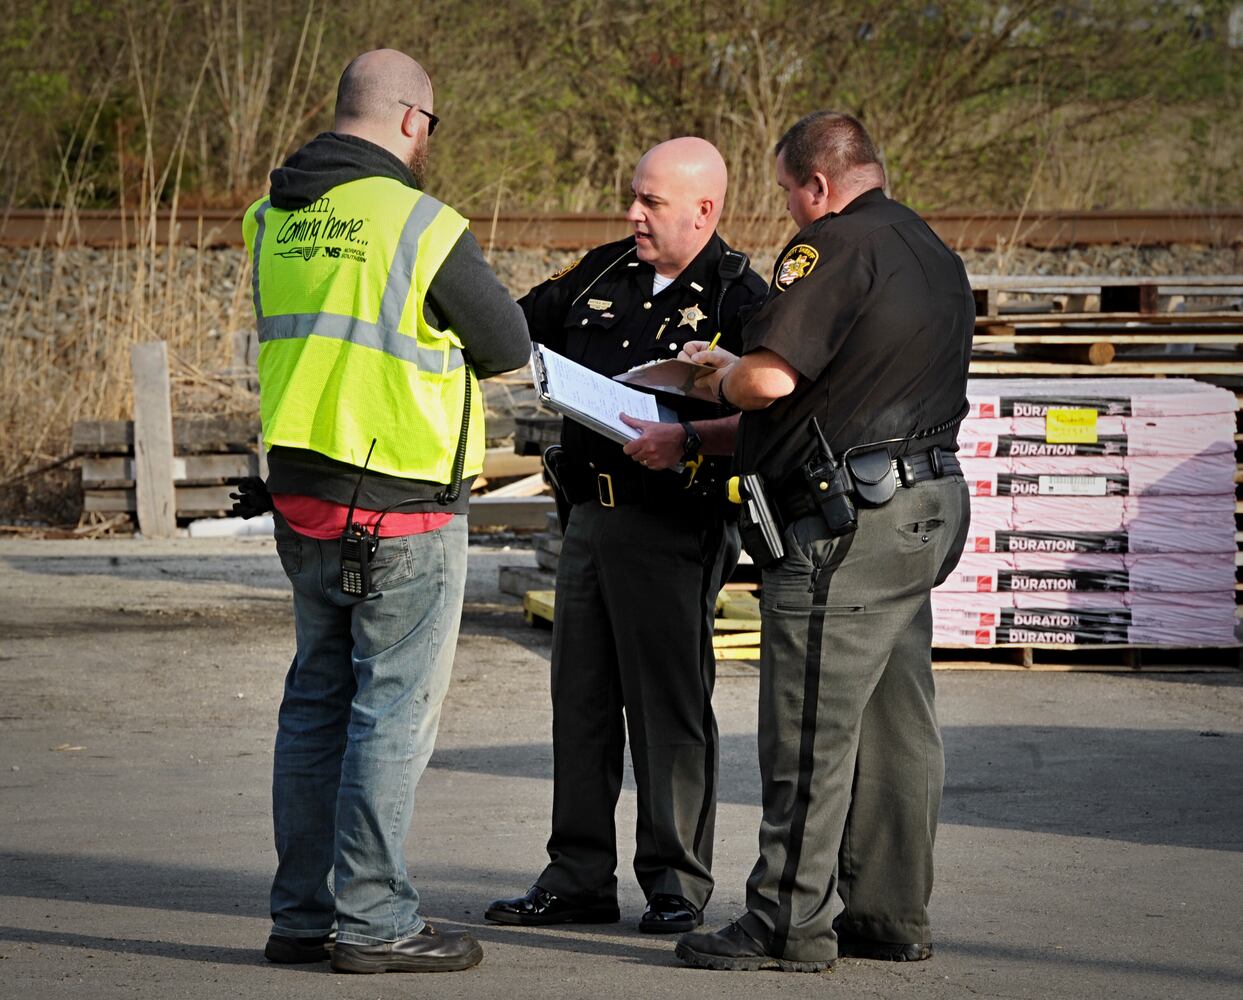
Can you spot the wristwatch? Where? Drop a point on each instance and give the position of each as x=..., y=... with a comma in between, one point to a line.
x=693, y=441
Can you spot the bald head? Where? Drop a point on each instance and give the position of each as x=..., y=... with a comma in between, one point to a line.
x=679, y=192
x=374, y=83
x=384, y=96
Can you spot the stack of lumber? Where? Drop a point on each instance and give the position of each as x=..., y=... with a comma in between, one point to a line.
x=208, y=454
x=1094, y=325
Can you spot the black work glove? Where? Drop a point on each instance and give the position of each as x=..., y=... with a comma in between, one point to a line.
x=252, y=498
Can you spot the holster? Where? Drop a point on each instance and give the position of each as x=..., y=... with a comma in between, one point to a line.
x=554, y=459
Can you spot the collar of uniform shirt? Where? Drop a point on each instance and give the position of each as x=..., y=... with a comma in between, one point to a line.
x=702, y=271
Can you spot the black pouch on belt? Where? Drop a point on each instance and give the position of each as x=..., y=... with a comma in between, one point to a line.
x=872, y=471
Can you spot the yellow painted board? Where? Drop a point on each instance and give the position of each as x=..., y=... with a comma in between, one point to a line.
x=740, y=653
x=735, y=639
x=736, y=625
x=538, y=603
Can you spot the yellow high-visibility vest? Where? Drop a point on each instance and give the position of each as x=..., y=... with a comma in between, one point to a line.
x=345, y=352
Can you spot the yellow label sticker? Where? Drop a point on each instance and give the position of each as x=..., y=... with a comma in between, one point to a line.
x=1070, y=426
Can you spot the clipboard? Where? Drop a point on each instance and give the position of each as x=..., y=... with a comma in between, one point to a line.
x=675, y=376
x=590, y=398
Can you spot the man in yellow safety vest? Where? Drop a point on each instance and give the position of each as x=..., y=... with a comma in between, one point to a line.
x=376, y=316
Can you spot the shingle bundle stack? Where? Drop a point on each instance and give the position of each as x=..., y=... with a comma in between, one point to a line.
x=1102, y=511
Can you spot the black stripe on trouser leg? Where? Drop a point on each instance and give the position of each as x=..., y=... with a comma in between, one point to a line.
x=807, y=747
x=713, y=577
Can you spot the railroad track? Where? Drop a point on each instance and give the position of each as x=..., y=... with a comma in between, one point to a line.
x=962, y=230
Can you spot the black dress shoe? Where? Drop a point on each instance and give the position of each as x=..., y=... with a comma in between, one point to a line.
x=669, y=914
x=854, y=946
x=539, y=907
x=731, y=949
x=428, y=951
x=287, y=950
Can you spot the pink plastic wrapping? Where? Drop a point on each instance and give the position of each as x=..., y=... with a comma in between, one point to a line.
x=1101, y=475
x=1025, y=437
x=991, y=398
x=1047, y=573
x=1204, y=619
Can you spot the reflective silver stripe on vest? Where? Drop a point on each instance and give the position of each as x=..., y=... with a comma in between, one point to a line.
x=260, y=212
x=293, y=326
x=381, y=336
x=401, y=274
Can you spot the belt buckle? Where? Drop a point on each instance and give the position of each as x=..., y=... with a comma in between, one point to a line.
x=605, y=481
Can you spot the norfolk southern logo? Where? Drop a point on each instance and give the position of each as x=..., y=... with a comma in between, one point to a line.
x=317, y=228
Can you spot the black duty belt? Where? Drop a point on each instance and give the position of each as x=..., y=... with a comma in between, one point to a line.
x=583, y=483
x=907, y=470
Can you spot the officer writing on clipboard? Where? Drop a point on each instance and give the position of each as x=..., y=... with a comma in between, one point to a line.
x=645, y=551
x=852, y=386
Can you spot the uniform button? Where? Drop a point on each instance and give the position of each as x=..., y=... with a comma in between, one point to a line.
x=647, y=305
x=673, y=347
x=625, y=343
x=584, y=322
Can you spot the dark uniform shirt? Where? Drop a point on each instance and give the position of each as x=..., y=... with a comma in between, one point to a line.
x=601, y=312
x=876, y=315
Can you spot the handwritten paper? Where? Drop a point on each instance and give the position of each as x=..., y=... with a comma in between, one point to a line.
x=579, y=392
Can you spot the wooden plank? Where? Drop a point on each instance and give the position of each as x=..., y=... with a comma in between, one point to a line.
x=186, y=468
x=726, y=640
x=736, y=625
x=1019, y=336
x=549, y=541
x=1148, y=319
x=1076, y=668
x=189, y=500
x=744, y=653
x=191, y=435
x=502, y=463
x=153, y=441
x=538, y=605
x=517, y=580
x=1096, y=353
x=1173, y=365
x=511, y=512
x=527, y=486
x=738, y=604
x=1054, y=284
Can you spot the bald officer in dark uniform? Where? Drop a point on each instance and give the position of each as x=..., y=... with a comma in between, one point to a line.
x=867, y=329
x=646, y=550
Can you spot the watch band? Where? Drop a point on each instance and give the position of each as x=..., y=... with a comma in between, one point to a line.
x=693, y=441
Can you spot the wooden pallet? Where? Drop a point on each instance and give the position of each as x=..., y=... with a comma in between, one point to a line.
x=1139, y=294
x=1106, y=658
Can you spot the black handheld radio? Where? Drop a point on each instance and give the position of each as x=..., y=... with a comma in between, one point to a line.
x=832, y=488
x=358, y=545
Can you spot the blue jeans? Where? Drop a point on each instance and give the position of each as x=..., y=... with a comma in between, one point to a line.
x=356, y=729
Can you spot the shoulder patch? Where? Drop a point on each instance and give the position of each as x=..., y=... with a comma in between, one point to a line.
x=798, y=262
x=562, y=272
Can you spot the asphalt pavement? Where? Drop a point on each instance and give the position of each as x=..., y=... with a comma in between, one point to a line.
x=1091, y=840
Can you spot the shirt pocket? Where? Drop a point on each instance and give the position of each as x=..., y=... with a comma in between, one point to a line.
x=583, y=318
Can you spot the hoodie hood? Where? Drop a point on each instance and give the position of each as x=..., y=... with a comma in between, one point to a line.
x=330, y=159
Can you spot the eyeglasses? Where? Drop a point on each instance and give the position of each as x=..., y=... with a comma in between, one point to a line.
x=432, y=120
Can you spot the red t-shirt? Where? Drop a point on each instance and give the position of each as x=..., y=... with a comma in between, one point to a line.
x=324, y=519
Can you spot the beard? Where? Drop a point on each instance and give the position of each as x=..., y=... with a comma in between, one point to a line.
x=417, y=163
